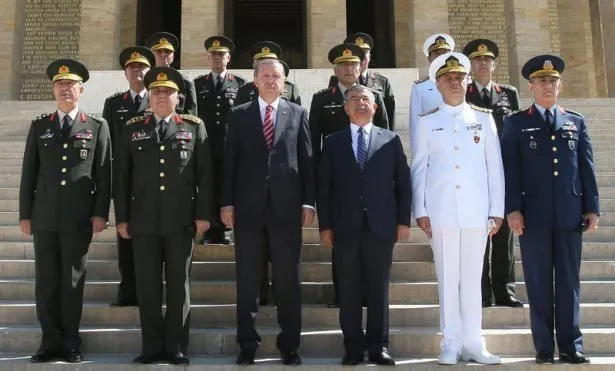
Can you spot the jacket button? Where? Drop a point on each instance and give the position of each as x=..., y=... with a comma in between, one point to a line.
x=65, y=145
x=555, y=161
x=162, y=148
x=458, y=186
x=555, y=173
x=63, y=183
x=162, y=174
x=457, y=167
x=554, y=149
x=63, y=169
x=552, y=137
x=64, y=158
x=217, y=122
x=162, y=160
x=456, y=148
x=162, y=188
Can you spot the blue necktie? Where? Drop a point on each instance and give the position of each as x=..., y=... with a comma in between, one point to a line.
x=361, y=148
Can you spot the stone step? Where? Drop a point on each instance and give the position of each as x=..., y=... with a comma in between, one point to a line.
x=322, y=342
x=223, y=315
x=97, y=362
x=223, y=292
x=310, y=271
x=403, y=252
x=310, y=235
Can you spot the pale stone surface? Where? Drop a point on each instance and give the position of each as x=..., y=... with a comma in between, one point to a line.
x=99, y=43
x=200, y=20
x=10, y=50
x=607, y=17
x=326, y=26
x=128, y=23
x=403, y=35
x=104, y=83
x=429, y=17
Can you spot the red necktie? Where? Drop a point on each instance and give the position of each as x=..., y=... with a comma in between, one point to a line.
x=268, y=126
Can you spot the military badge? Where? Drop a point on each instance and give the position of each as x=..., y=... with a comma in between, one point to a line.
x=183, y=135
x=474, y=126
x=183, y=154
x=83, y=153
x=572, y=144
x=533, y=143
x=84, y=135
x=569, y=125
x=476, y=138
x=139, y=135
x=47, y=134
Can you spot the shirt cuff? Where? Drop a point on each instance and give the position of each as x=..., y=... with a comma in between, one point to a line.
x=308, y=207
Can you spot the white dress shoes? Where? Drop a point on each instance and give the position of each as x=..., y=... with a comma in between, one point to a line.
x=483, y=357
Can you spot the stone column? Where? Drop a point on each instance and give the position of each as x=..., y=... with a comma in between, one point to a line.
x=11, y=33
x=404, y=56
x=128, y=23
x=607, y=15
x=326, y=26
x=427, y=17
x=531, y=32
x=99, y=34
x=200, y=20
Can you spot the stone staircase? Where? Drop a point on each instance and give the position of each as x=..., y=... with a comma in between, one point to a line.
x=111, y=336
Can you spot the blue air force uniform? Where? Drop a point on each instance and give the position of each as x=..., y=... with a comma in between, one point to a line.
x=550, y=179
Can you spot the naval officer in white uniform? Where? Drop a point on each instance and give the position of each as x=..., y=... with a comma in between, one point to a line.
x=424, y=95
x=458, y=194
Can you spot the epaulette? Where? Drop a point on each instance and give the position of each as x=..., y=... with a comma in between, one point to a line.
x=506, y=86
x=192, y=119
x=199, y=76
x=135, y=119
x=573, y=112
x=239, y=78
x=119, y=93
x=429, y=112
x=44, y=115
x=481, y=109
x=421, y=80
x=321, y=91
x=378, y=74
x=95, y=118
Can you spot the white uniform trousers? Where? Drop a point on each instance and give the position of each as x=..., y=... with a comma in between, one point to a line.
x=458, y=255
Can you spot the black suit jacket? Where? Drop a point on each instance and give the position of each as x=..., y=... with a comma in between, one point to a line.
x=251, y=171
x=65, y=183
x=504, y=101
x=164, y=184
x=382, y=187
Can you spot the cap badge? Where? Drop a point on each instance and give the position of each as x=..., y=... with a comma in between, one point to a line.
x=162, y=77
x=216, y=43
x=347, y=53
x=359, y=41
x=63, y=69
x=547, y=65
x=483, y=48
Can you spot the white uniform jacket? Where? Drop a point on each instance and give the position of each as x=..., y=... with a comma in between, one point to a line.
x=457, y=173
x=424, y=97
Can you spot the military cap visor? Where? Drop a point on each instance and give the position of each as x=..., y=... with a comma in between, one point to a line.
x=219, y=44
x=543, y=65
x=481, y=47
x=67, y=69
x=437, y=42
x=361, y=39
x=346, y=53
x=447, y=63
x=162, y=40
x=137, y=54
x=265, y=49
x=164, y=76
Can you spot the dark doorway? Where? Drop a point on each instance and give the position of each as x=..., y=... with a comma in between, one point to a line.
x=280, y=21
x=159, y=15
x=374, y=17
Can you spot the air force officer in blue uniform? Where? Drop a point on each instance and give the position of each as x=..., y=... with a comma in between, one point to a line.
x=551, y=197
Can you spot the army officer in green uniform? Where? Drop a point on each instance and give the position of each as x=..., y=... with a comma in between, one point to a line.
x=64, y=197
x=163, y=200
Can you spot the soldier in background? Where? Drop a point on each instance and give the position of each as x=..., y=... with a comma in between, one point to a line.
x=216, y=94
x=118, y=109
x=267, y=50
x=374, y=80
x=502, y=100
x=164, y=45
x=64, y=198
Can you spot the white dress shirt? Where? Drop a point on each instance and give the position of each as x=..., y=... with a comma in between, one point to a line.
x=72, y=114
x=542, y=110
x=262, y=106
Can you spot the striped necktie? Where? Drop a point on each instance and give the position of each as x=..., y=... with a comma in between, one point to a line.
x=361, y=148
x=268, y=126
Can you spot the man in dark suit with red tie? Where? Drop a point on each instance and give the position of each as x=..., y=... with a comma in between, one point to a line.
x=268, y=194
x=363, y=208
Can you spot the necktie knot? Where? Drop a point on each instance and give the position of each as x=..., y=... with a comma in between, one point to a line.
x=548, y=119
x=486, y=97
x=65, y=129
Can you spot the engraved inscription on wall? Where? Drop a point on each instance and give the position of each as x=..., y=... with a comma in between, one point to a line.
x=481, y=19
x=554, y=27
x=51, y=31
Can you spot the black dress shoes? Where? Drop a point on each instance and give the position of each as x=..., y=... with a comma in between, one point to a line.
x=45, y=356
x=125, y=303
x=542, y=359
x=178, y=359
x=573, y=357
x=486, y=303
x=291, y=358
x=350, y=359
x=382, y=359
x=73, y=356
x=510, y=301
x=246, y=357
x=146, y=359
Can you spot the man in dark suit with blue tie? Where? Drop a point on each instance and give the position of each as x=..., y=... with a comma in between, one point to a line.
x=363, y=208
x=551, y=198
x=268, y=194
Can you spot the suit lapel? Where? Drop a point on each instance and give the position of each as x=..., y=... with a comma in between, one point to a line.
x=539, y=119
x=375, y=142
x=144, y=103
x=495, y=94
x=258, y=126
x=348, y=151
x=77, y=123
x=281, y=120
x=559, y=118
x=473, y=95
